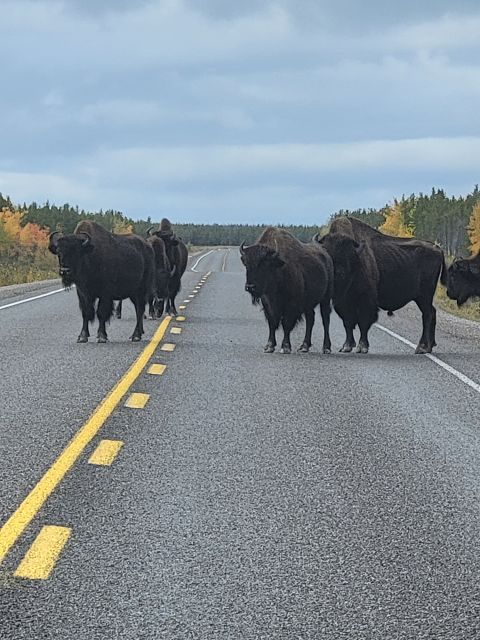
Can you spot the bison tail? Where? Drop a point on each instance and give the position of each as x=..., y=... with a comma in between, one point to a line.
x=444, y=272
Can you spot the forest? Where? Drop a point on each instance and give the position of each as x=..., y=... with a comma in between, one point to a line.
x=451, y=221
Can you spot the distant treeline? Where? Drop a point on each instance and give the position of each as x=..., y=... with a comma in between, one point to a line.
x=435, y=217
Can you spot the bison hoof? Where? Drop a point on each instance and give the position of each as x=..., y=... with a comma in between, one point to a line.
x=347, y=348
x=135, y=338
x=423, y=349
x=303, y=348
x=362, y=348
x=102, y=339
x=327, y=350
x=82, y=338
x=269, y=348
x=286, y=350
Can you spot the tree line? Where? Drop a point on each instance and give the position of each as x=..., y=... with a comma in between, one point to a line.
x=452, y=222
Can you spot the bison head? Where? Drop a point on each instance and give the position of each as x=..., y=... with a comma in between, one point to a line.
x=70, y=250
x=345, y=252
x=262, y=264
x=464, y=279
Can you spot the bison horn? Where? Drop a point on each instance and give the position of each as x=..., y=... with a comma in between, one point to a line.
x=316, y=238
x=242, y=248
x=88, y=238
x=51, y=238
x=52, y=242
x=149, y=231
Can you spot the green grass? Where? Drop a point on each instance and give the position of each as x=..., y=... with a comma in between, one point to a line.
x=470, y=310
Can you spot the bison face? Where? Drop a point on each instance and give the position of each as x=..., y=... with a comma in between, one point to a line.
x=70, y=251
x=344, y=252
x=262, y=264
x=463, y=280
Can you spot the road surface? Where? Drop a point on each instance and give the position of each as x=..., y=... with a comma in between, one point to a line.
x=254, y=496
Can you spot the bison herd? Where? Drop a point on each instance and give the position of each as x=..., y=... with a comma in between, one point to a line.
x=353, y=266
x=360, y=271
x=107, y=267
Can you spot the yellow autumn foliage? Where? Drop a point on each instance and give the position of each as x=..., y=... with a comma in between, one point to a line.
x=394, y=225
x=474, y=229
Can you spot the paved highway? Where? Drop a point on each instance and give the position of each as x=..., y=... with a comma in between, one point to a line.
x=249, y=496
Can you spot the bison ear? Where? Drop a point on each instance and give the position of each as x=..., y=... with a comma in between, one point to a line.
x=52, y=242
x=358, y=246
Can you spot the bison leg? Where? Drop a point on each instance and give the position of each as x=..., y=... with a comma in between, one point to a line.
x=287, y=325
x=366, y=319
x=326, y=310
x=88, y=315
x=171, y=308
x=272, y=329
x=104, y=313
x=159, y=306
x=349, y=343
x=429, y=315
x=118, y=310
x=139, y=303
x=309, y=322
x=151, y=308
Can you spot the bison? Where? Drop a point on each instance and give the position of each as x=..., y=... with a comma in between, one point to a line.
x=104, y=267
x=162, y=275
x=408, y=270
x=290, y=279
x=464, y=279
x=177, y=255
x=355, y=286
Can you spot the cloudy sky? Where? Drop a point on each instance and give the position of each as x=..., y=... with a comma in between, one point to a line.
x=238, y=110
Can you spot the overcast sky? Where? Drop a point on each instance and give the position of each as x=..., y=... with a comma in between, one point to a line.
x=238, y=110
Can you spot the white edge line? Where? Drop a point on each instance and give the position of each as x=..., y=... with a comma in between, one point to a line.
x=194, y=268
x=43, y=295
x=460, y=376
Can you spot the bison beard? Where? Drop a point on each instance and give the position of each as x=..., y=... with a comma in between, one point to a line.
x=290, y=279
x=105, y=267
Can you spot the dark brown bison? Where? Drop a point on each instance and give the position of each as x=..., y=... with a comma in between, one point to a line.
x=408, y=270
x=105, y=267
x=355, y=286
x=464, y=279
x=177, y=255
x=290, y=279
x=163, y=273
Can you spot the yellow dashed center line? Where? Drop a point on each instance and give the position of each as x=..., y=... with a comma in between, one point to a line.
x=176, y=330
x=40, y=559
x=180, y=318
x=182, y=306
x=137, y=400
x=106, y=452
x=167, y=346
x=16, y=524
x=156, y=369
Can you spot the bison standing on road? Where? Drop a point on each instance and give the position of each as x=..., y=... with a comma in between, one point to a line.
x=464, y=279
x=407, y=270
x=355, y=286
x=106, y=267
x=177, y=255
x=290, y=279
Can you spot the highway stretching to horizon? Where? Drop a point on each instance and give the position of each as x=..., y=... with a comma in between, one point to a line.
x=191, y=486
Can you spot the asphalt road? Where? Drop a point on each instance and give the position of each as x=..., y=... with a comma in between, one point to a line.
x=255, y=496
